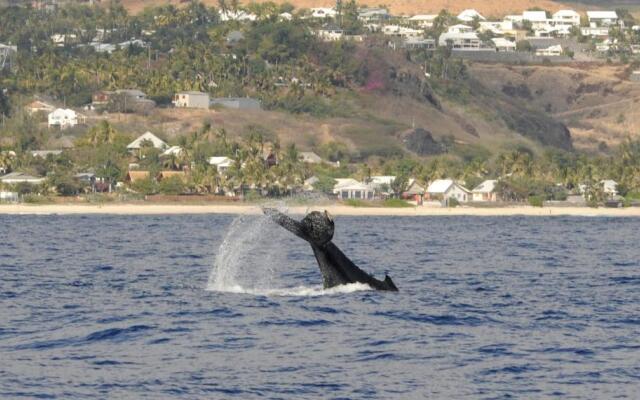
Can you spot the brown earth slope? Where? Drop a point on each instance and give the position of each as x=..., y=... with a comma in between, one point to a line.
x=598, y=103
x=399, y=7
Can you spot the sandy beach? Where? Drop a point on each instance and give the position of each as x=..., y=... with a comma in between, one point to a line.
x=336, y=209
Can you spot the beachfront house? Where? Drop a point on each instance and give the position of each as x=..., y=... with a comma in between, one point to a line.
x=486, y=191
x=191, y=99
x=222, y=164
x=147, y=138
x=135, y=176
x=609, y=187
x=446, y=189
x=348, y=188
x=20, y=177
x=414, y=191
x=64, y=118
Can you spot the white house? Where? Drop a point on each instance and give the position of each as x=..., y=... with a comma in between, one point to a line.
x=597, y=32
x=469, y=15
x=191, y=99
x=602, y=18
x=173, y=151
x=401, y=31
x=538, y=19
x=610, y=187
x=238, y=15
x=147, y=137
x=445, y=189
x=460, y=28
x=461, y=41
x=504, y=45
x=352, y=189
x=20, y=177
x=323, y=12
x=566, y=18
x=330, y=34
x=486, y=191
x=222, y=164
x=423, y=20
x=551, y=51
x=64, y=118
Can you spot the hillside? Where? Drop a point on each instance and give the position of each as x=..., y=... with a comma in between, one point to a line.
x=598, y=103
x=400, y=7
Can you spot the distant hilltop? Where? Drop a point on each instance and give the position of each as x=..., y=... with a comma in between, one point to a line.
x=398, y=7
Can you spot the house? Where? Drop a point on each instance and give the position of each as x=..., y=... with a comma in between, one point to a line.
x=173, y=151
x=469, y=15
x=565, y=18
x=460, y=28
x=496, y=27
x=134, y=176
x=461, y=41
x=37, y=106
x=64, y=118
x=131, y=98
x=486, y=191
x=599, y=19
x=596, y=32
x=9, y=197
x=347, y=189
x=308, y=185
x=191, y=99
x=323, y=12
x=20, y=177
x=309, y=157
x=415, y=191
x=610, y=187
x=222, y=164
x=401, y=31
x=240, y=103
x=413, y=43
x=551, y=51
x=423, y=20
x=147, y=137
x=445, y=189
x=60, y=40
x=238, y=15
x=538, y=19
x=330, y=34
x=504, y=45
x=373, y=14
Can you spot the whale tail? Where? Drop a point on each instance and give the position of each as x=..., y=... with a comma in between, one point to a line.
x=336, y=268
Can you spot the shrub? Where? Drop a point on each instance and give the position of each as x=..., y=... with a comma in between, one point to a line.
x=453, y=202
x=172, y=185
x=396, y=203
x=536, y=201
x=145, y=186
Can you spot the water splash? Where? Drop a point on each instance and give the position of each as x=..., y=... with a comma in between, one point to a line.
x=251, y=260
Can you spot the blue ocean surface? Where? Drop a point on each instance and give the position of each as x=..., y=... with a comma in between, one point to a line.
x=220, y=307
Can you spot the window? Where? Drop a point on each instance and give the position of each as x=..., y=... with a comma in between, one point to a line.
x=358, y=194
x=344, y=194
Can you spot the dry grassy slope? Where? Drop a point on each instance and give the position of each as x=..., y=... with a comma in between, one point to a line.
x=597, y=103
x=408, y=7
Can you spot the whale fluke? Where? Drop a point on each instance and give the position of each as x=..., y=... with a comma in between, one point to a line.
x=317, y=229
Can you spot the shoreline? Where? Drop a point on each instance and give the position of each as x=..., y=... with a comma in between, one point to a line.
x=335, y=209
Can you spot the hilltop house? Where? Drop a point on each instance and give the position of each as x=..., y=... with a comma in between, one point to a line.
x=64, y=118
x=469, y=15
x=486, y=191
x=131, y=99
x=461, y=41
x=149, y=138
x=323, y=12
x=37, y=106
x=551, y=51
x=423, y=20
x=445, y=189
x=599, y=19
x=173, y=151
x=538, y=19
x=191, y=99
x=401, y=31
x=564, y=20
x=373, y=14
x=504, y=45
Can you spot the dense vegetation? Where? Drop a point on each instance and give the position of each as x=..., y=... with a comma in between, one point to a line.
x=282, y=63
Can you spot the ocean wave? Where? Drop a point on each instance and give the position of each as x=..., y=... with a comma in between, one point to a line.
x=300, y=291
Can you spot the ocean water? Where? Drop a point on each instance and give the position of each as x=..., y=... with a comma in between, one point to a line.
x=220, y=307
